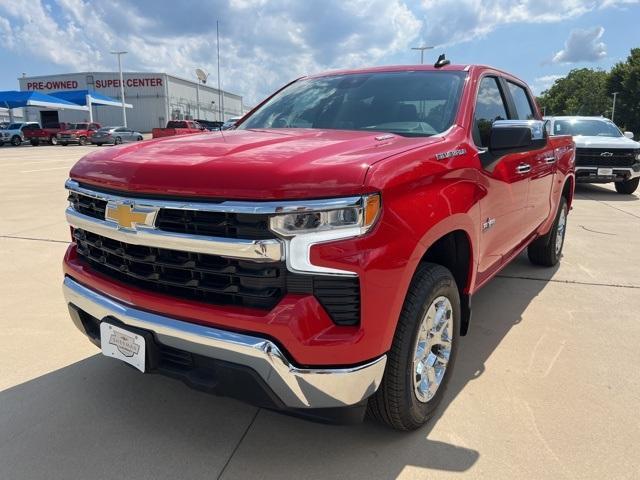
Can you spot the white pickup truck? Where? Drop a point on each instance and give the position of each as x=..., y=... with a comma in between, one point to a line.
x=604, y=154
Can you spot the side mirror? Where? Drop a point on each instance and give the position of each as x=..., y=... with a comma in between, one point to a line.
x=629, y=135
x=510, y=136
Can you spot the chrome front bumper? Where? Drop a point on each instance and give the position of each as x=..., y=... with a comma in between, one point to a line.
x=296, y=387
x=629, y=172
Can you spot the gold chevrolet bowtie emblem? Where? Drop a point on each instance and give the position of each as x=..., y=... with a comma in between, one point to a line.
x=124, y=215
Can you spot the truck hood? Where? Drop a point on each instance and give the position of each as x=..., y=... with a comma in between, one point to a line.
x=245, y=164
x=583, y=141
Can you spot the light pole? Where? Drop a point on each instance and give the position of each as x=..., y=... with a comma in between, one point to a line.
x=422, y=49
x=202, y=77
x=124, y=110
x=613, y=110
x=220, y=94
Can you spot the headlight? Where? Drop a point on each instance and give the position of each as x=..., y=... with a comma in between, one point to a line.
x=362, y=215
x=637, y=154
x=301, y=227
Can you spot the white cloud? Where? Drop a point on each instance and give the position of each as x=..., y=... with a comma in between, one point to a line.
x=264, y=44
x=540, y=84
x=582, y=46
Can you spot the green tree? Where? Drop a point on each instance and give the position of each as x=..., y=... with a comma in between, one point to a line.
x=625, y=79
x=582, y=92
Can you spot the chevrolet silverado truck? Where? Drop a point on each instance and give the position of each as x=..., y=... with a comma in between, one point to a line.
x=77, y=133
x=177, y=127
x=46, y=134
x=320, y=258
x=603, y=153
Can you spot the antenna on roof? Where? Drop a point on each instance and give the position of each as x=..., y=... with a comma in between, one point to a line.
x=441, y=62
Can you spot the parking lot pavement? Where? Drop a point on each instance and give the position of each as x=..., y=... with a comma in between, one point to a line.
x=545, y=386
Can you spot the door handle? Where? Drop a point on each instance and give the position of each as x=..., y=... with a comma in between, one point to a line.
x=523, y=168
x=550, y=159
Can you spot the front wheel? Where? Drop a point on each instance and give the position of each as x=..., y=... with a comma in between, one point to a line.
x=547, y=250
x=423, y=351
x=628, y=187
x=53, y=140
x=16, y=140
x=117, y=141
x=82, y=141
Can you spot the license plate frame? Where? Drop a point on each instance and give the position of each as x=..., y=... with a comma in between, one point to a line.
x=125, y=345
x=605, y=172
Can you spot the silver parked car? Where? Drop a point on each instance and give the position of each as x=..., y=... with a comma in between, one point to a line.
x=114, y=135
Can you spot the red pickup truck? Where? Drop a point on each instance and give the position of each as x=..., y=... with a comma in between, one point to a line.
x=48, y=134
x=77, y=133
x=177, y=127
x=321, y=257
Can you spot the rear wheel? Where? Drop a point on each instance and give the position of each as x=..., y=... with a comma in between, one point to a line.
x=82, y=141
x=64, y=144
x=547, y=250
x=422, y=355
x=627, y=187
x=139, y=138
x=16, y=140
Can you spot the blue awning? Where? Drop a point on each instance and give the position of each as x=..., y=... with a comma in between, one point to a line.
x=79, y=97
x=14, y=99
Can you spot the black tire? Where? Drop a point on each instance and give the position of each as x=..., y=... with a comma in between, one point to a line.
x=82, y=141
x=140, y=139
x=628, y=187
x=64, y=144
x=546, y=251
x=396, y=403
x=16, y=141
x=1, y=144
x=53, y=140
x=34, y=143
x=117, y=141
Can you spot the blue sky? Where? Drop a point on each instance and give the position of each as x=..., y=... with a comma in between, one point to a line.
x=267, y=43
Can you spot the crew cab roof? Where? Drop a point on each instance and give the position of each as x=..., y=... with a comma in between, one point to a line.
x=405, y=68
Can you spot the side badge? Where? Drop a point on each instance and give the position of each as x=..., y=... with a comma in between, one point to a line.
x=488, y=223
x=451, y=154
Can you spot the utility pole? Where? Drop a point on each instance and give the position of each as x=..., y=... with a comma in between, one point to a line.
x=613, y=110
x=124, y=110
x=422, y=49
x=220, y=94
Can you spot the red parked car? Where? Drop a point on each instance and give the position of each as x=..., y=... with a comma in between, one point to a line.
x=321, y=257
x=177, y=127
x=46, y=134
x=77, y=133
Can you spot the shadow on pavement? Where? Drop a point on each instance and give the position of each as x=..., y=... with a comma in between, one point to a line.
x=100, y=419
x=593, y=191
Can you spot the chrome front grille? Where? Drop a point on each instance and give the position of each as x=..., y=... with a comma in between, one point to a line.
x=220, y=253
x=209, y=278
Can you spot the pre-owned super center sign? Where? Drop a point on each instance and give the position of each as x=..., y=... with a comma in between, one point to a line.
x=99, y=83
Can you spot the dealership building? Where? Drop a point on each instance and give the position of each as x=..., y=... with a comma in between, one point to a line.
x=155, y=98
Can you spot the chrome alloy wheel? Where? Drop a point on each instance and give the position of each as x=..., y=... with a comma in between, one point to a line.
x=562, y=224
x=432, y=349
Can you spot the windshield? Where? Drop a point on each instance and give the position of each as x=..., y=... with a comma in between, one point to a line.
x=177, y=124
x=415, y=103
x=591, y=128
